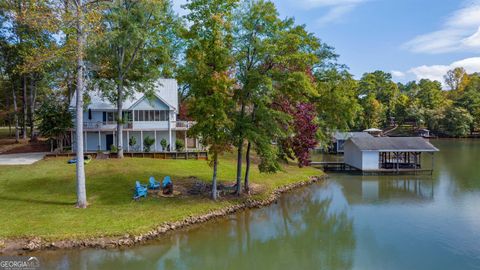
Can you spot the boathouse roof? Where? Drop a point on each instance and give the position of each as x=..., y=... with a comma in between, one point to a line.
x=347, y=135
x=393, y=144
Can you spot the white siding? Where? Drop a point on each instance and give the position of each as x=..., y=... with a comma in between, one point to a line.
x=154, y=104
x=370, y=160
x=168, y=90
x=353, y=155
x=160, y=135
x=150, y=125
x=97, y=116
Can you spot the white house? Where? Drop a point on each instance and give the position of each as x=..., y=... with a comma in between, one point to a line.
x=386, y=153
x=155, y=117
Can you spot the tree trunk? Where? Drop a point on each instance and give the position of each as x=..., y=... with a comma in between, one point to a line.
x=246, y=185
x=9, y=116
x=120, y=117
x=239, y=168
x=15, y=113
x=214, y=178
x=240, y=153
x=33, y=87
x=25, y=112
x=81, y=189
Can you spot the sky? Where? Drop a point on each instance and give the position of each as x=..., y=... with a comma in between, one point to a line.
x=411, y=39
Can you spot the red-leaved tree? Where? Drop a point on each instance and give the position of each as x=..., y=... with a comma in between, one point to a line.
x=304, y=130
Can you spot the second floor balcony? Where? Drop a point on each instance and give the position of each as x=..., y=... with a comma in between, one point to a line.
x=134, y=125
x=99, y=125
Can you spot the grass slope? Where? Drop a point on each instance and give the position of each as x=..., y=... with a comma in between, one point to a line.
x=38, y=200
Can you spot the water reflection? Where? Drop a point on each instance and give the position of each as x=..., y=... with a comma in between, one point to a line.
x=350, y=222
x=307, y=230
x=387, y=189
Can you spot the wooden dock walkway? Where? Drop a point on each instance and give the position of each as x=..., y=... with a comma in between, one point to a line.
x=342, y=167
x=334, y=166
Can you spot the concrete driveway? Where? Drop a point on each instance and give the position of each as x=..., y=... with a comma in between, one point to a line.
x=21, y=159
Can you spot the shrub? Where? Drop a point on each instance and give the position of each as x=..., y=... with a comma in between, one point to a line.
x=147, y=143
x=163, y=143
x=179, y=145
x=113, y=149
x=132, y=141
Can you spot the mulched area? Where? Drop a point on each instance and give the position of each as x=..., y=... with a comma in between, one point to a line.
x=8, y=146
x=192, y=186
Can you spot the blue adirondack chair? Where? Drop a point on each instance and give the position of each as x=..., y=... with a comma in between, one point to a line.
x=153, y=183
x=140, y=190
x=166, y=181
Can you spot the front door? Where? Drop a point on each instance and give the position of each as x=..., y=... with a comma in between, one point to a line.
x=109, y=139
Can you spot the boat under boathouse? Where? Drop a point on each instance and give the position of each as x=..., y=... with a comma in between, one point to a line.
x=388, y=154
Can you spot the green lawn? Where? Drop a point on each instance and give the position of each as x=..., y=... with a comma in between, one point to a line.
x=38, y=200
x=4, y=132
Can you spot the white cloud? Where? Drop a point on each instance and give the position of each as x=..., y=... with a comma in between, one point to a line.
x=436, y=72
x=336, y=9
x=335, y=14
x=460, y=32
x=397, y=74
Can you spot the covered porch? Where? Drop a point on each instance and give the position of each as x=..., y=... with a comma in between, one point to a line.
x=401, y=160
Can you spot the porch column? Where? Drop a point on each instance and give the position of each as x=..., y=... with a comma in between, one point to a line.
x=128, y=141
x=141, y=140
x=398, y=161
x=114, y=138
x=170, y=134
x=99, y=141
x=155, y=137
x=185, y=141
x=433, y=160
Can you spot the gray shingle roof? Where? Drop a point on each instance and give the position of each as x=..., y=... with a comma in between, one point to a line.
x=390, y=144
x=166, y=90
x=347, y=135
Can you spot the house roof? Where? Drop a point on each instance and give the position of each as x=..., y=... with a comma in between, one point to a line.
x=373, y=130
x=347, y=135
x=166, y=90
x=392, y=144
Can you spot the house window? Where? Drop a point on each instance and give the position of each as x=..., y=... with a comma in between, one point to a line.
x=146, y=116
x=89, y=114
x=110, y=117
x=163, y=115
x=152, y=115
x=127, y=116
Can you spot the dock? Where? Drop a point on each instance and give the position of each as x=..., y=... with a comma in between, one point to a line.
x=334, y=166
x=343, y=167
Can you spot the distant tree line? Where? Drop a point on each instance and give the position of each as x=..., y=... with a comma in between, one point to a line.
x=450, y=110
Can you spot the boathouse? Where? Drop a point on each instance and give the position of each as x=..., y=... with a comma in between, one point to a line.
x=384, y=154
x=339, y=139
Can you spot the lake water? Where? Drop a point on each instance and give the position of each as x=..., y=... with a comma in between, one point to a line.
x=350, y=222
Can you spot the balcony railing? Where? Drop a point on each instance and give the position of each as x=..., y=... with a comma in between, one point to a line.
x=106, y=124
x=183, y=124
x=129, y=125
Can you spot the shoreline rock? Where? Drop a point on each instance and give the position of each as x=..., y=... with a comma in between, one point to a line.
x=24, y=245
